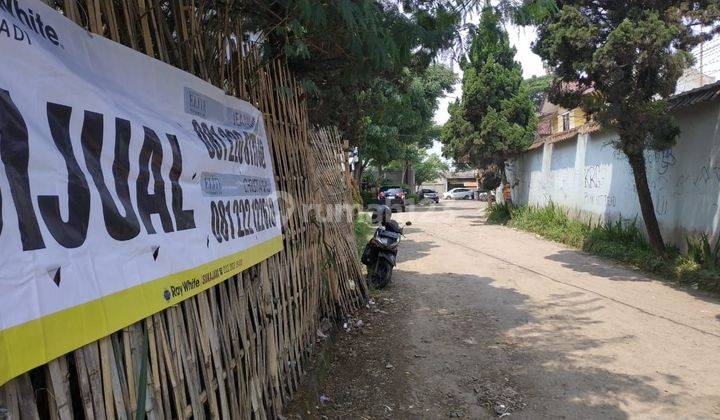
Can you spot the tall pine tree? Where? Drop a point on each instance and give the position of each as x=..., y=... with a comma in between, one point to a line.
x=495, y=117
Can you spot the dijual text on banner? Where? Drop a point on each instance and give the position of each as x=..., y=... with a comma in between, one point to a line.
x=126, y=186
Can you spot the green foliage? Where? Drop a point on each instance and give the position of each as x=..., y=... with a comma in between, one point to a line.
x=338, y=49
x=551, y=222
x=623, y=242
x=431, y=167
x=498, y=213
x=629, y=60
x=397, y=116
x=495, y=117
x=619, y=241
x=457, y=136
x=490, y=41
x=702, y=253
x=363, y=231
x=489, y=180
x=537, y=87
x=368, y=198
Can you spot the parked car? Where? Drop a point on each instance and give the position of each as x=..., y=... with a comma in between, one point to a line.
x=431, y=195
x=387, y=187
x=393, y=198
x=483, y=196
x=460, y=194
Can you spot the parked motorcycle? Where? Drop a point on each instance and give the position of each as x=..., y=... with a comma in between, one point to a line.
x=380, y=253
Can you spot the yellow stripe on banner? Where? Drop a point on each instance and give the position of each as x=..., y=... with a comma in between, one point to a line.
x=38, y=341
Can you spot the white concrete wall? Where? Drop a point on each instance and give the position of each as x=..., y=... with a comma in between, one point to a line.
x=591, y=178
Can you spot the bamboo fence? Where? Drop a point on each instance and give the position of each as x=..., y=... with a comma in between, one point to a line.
x=238, y=350
x=337, y=212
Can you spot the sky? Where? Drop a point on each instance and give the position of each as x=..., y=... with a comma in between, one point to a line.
x=521, y=38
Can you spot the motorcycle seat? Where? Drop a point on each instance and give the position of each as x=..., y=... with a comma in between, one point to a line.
x=388, y=234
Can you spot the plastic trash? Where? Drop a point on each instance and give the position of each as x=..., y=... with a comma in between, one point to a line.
x=501, y=410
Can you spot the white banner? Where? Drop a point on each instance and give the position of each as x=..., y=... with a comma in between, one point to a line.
x=126, y=186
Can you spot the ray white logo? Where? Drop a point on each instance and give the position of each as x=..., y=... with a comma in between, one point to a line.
x=31, y=21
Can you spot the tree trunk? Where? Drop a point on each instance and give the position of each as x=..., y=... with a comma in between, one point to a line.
x=358, y=172
x=379, y=178
x=504, y=182
x=637, y=163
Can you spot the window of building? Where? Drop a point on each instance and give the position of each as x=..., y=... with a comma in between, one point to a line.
x=565, y=121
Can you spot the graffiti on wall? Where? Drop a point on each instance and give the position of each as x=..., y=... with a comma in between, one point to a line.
x=604, y=200
x=593, y=177
x=662, y=160
x=607, y=185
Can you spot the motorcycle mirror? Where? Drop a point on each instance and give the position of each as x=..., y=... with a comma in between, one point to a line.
x=408, y=223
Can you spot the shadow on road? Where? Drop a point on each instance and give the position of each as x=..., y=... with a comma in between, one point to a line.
x=584, y=263
x=597, y=266
x=446, y=339
x=478, y=219
x=413, y=249
x=484, y=343
x=439, y=345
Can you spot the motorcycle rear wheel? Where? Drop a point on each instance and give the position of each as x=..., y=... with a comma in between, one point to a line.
x=380, y=277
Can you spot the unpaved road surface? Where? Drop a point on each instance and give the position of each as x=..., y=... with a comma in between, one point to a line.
x=483, y=320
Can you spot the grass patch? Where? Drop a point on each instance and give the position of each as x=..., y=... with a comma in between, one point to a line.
x=498, y=213
x=619, y=241
x=363, y=231
x=551, y=222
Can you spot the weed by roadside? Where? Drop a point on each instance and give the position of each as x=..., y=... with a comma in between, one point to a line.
x=363, y=231
x=701, y=266
x=619, y=241
x=551, y=222
x=498, y=213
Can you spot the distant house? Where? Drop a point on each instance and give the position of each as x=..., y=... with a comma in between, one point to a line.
x=558, y=124
x=461, y=179
x=438, y=185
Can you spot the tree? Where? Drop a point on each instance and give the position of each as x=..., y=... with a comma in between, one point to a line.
x=397, y=116
x=495, y=117
x=339, y=49
x=358, y=61
x=431, y=167
x=537, y=87
x=457, y=136
x=620, y=61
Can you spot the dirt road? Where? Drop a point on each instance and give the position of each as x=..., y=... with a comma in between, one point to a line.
x=483, y=320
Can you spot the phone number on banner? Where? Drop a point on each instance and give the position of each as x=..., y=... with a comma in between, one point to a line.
x=231, y=219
